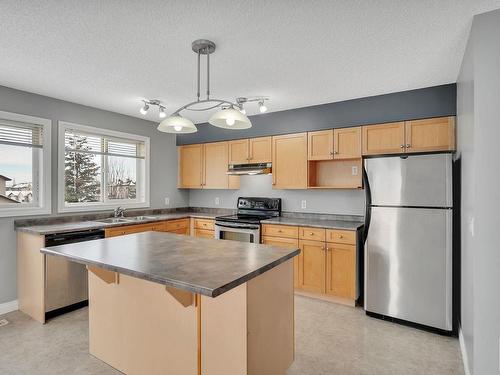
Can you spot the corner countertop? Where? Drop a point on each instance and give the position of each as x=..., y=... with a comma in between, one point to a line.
x=198, y=265
x=72, y=226
x=316, y=223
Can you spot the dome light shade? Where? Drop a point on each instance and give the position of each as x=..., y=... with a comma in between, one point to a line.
x=178, y=125
x=230, y=118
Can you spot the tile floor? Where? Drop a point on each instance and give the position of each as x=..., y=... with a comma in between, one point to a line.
x=330, y=339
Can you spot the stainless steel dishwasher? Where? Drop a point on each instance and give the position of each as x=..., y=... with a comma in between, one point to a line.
x=66, y=284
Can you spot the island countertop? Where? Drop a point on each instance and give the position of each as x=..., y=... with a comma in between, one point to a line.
x=198, y=265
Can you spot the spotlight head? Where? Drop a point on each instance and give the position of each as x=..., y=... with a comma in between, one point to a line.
x=144, y=109
x=162, y=113
x=262, y=107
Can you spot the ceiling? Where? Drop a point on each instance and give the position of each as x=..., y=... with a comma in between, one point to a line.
x=110, y=54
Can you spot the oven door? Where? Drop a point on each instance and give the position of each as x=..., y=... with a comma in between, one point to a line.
x=237, y=232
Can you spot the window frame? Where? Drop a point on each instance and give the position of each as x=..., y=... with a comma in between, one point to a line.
x=44, y=182
x=62, y=206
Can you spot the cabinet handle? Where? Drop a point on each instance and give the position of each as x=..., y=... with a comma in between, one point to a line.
x=408, y=145
x=402, y=146
x=331, y=152
x=312, y=234
x=341, y=236
x=335, y=152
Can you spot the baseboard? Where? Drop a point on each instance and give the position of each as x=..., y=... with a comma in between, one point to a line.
x=465, y=359
x=7, y=307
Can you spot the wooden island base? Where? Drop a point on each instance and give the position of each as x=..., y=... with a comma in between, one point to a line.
x=141, y=327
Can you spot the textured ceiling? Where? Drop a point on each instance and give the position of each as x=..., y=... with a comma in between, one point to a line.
x=110, y=54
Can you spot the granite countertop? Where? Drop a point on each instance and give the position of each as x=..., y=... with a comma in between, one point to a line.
x=199, y=265
x=317, y=223
x=72, y=226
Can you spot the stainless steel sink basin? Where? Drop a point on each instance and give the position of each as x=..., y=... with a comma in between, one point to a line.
x=113, y=220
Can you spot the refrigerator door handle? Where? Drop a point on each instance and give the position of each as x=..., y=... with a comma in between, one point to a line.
x=368, y=204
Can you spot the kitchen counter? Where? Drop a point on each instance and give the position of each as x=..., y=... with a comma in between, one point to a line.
x=72, y=226
x=317, y=223
x=206, y=266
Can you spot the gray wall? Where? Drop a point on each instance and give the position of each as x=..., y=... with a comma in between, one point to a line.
x=406, y=105
x=163, y=162
x=479, y=98
x=465, y=152
x=349, y=202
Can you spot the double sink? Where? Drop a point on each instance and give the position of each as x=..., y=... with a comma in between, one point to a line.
x=133, y=219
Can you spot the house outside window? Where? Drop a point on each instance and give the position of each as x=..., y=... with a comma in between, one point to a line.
x=101, y=169
x=24, y=165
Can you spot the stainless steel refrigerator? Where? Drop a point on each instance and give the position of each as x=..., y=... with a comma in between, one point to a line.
x=408, y=248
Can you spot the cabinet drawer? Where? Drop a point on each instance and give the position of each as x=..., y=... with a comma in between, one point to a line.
x=274, y=230
x=314, y=234
x=204, y=224
x=341, y=236
x=128, y=229
x=281, y=242
x=204, y=233
x=177, y=224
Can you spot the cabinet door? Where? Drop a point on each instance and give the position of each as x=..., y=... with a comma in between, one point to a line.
x=260, y=150
x=347, y=143
x=238, y=151
x=289, y=243
x=320, y=145
x=312, y=266
x=341, y=270
x=215, y=166
x=204, y=233
x=435, y=134
x=190, y=166
x=384, y=138
x=290, y=161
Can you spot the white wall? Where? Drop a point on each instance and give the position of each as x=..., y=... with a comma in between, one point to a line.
x=163, y=162
x=349, y=202
x=479, y=122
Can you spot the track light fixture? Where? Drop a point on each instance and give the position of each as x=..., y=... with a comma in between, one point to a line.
x=259, y=99
x=154, y=102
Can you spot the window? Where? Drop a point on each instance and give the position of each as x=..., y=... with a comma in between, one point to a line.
x=101, y=169
x=24, y=165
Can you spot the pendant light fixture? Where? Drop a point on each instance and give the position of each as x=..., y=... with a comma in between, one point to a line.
x=229, y=116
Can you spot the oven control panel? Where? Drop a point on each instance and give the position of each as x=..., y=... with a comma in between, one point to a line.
x=259, y=204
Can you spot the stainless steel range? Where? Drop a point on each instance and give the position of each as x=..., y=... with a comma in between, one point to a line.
x=245, y=225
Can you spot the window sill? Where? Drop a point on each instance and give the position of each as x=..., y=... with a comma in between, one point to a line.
x=24, y=211
x=102, y=207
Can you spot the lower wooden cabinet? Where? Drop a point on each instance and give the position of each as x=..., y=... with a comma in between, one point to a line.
x=312, y=266
x=327, y=264
x=204, y=228
x=341, y=270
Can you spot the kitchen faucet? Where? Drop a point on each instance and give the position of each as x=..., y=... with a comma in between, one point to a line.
x=119, y=211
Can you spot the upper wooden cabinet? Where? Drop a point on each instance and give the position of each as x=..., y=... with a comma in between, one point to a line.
x=384, y=138
x=190, y=166
x=238, y=151
x=204, y=166
x=320, y=145
x=260, y=150
x=435, y=134
x=253, y=150
x=290, y=161
x=347, y=143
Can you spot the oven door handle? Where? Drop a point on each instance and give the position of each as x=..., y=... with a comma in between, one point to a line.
x=253, y=227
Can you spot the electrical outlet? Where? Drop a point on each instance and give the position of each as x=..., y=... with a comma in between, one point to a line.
x=303, y=204
x=354, y=171
x=167, y=201
x=217, y=201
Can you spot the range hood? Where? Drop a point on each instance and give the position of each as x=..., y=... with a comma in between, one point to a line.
x=249, y=169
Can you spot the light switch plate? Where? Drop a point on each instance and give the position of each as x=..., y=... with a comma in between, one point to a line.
x=303, y=204
x=354, y=171
x=217, y=201
x=167, y=201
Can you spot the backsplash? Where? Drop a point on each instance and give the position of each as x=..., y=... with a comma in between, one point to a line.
x=328, y=201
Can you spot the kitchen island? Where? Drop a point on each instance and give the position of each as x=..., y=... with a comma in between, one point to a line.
x=162, y=303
